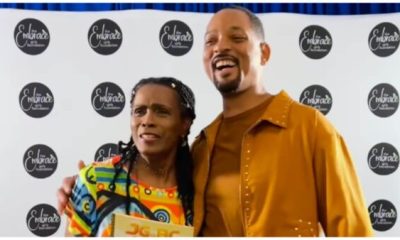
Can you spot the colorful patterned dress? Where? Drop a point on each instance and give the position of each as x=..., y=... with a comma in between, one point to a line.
x=92, y=203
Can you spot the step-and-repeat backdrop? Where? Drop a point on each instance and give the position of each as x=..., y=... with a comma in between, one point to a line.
x=66, y=77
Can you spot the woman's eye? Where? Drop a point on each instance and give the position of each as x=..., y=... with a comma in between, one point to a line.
x=139, y=111
x=162, y=111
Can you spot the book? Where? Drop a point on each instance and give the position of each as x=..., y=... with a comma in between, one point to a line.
x=129, y=226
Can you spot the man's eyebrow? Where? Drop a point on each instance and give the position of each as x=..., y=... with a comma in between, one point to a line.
x=209, y=32
x=233, y=28
x=236, y=28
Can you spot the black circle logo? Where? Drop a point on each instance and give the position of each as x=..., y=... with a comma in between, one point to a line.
x=108, y=99
x=315, y=42
x=43, y=220
x=383, y=100
x=384, y=39
x=382, y=214
x=31, y=36
x=383, y=159
x=105, y=37
x=318, y=97
x=105, y=152
x=36, y=100
x=40, y=161
x=176, y=38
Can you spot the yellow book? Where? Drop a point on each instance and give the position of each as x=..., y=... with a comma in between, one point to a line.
x=128, y=226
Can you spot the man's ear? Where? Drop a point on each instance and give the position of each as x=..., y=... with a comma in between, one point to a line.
x=265, y=52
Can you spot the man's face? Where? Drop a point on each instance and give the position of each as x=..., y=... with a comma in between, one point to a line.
x=232, y=52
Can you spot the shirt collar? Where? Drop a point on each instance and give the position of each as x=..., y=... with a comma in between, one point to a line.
x=277, y=112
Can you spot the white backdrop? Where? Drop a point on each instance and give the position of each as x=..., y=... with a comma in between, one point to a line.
x=344, y=63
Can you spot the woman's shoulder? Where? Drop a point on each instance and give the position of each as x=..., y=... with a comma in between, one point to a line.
x=108, y=163
x=94, y=167
x=96, y=171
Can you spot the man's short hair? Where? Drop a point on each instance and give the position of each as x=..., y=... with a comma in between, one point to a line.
x=256, y=23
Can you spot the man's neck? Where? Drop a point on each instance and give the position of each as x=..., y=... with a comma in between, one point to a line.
x=238, y=103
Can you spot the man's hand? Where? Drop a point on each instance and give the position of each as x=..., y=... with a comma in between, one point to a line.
x=65, y=191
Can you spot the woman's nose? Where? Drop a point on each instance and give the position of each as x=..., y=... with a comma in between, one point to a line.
x=147, y=119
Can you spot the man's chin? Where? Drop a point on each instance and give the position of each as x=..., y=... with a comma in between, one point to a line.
x=227, y=87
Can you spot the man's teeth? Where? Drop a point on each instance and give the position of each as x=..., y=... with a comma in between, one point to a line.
x=224, y=63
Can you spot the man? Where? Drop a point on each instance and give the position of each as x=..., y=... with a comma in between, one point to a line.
x=284, y=170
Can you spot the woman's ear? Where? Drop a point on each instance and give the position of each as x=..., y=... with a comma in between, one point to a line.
x=187, y=123
x=265, y=52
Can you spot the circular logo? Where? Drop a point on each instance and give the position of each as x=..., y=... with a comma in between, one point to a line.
x=105, y=152
x=105, y=37
x=40, y=161
x=315, y=42
x=176, y=38
x=108, y=99
x=383, y=100
x=36, y=100
x=384, y=39
x=31, y=36
x=43, y=220
x=383, y=159
x=382, y=214
x=318, y=97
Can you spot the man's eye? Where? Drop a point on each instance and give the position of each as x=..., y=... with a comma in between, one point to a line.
x=209, y=42
x=238, y=38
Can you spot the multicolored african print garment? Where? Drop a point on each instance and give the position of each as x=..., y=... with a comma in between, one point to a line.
x=92, y=203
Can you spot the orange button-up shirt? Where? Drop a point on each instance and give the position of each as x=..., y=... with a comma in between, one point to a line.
x=295, y=173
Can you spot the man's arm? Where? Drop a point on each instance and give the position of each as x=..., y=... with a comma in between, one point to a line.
x=341, y=205
x=65, y=191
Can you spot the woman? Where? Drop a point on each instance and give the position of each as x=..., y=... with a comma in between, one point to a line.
x=152, y=176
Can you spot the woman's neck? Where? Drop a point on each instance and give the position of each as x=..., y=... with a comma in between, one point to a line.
x=160, y=174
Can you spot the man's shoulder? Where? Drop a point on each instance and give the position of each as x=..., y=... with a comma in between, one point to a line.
x=284, y=104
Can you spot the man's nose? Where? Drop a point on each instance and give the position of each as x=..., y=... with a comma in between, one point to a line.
x=222, y=45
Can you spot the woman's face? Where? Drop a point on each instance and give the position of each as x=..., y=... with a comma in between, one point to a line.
x=157, y=124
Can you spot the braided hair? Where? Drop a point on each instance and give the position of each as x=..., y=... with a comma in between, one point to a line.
x=183, y=163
